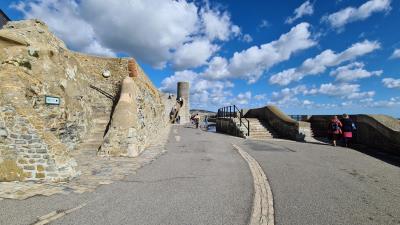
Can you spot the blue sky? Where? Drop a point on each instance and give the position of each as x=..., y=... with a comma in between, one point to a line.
x=308, y=57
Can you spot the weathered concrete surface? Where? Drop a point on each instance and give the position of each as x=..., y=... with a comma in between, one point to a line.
x=201, y=179
x=320, y=184
x=37, y=138
x=378, y=131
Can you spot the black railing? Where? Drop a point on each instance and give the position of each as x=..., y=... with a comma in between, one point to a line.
x=233, y=111
x=103, y=92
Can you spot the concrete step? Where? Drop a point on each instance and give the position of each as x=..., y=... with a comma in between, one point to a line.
x=259, y=138
x=258, y=129
x=260, y=132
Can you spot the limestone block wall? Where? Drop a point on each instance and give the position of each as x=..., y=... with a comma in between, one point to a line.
x=34, y=64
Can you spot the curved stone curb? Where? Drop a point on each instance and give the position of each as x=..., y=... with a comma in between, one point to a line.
x=263, y=206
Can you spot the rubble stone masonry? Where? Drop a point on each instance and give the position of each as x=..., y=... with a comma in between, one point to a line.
x=36, y=138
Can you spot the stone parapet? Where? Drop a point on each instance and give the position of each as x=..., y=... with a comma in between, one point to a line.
x=378, y=131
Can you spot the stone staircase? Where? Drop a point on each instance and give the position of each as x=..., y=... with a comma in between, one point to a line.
x=314, y=135
x=260, y=130
x=94, y=139
x=175, y=115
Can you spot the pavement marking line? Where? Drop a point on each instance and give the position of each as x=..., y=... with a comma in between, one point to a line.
x=263, y=205
x=178, y=138
x=55, y=215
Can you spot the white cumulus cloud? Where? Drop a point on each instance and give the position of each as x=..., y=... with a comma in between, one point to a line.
x=304, y=9
x=218, y=25
x=249, y=64
x=193, y=54
x=243, y=98
x=353, y=71
x=260, y=97
x=321, y=62
x=155, y=32
x=395, y=54
x=264, y=23
x=342, y=90
x=391, y=82
x=350, y=14
x=247, y=38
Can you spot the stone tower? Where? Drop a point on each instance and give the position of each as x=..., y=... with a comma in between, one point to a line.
x=183, y=91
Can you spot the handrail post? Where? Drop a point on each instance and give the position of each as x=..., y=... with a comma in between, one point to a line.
x=230, y=112
x=248, y=128
x=240, y=118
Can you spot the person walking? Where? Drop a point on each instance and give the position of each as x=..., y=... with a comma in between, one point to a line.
x=206, y=122
x=335, y=129
x=197, y=120
x=348, y=128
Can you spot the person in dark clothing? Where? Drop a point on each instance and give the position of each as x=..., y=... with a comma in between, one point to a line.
x=348, y=127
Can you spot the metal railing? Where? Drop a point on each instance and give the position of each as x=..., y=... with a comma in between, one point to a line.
x=103, y=92
x=233, y=111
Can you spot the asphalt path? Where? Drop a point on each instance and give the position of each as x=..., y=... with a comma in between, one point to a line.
x=201, y=179
x=320, y=184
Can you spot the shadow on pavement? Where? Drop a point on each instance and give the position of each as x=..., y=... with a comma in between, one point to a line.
x=383, y=156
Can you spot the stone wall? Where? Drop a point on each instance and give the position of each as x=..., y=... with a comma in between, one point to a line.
x=136, y=121
x=378, y=131
x=228, y=126
x=282, y=124
x=34, y=64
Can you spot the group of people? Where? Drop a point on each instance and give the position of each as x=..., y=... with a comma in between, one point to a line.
x=173, y=114
x=341, y=129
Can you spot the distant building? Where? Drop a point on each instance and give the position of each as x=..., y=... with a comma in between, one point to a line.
x=3, y=19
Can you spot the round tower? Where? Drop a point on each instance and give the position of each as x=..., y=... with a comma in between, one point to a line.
x=184, y=93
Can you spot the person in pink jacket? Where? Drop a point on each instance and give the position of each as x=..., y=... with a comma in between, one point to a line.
x=335, y=129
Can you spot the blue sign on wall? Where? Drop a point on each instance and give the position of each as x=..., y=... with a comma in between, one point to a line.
x=50, y=100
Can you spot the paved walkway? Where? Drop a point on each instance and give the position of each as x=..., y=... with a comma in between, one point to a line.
x=94, y=171
x=320, y=184
x=201, y=179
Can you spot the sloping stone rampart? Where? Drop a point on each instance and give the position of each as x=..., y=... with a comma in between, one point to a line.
x=282, y=124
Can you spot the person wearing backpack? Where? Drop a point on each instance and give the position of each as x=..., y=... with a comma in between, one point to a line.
x=335, y=129
x=348, y=128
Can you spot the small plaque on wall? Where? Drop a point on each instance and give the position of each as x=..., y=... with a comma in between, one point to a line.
x=51, y=100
